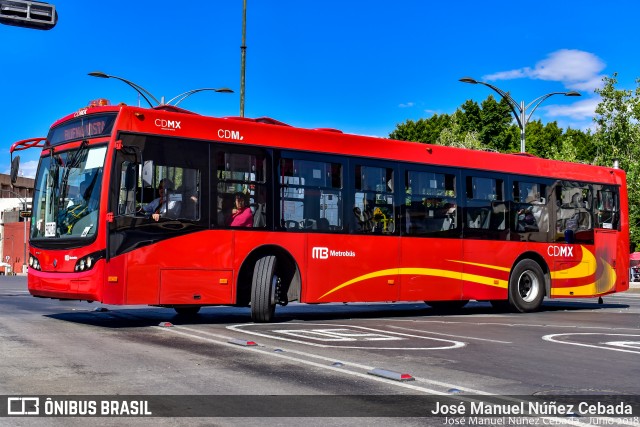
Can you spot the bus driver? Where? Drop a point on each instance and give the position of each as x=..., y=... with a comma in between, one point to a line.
x=153, y=208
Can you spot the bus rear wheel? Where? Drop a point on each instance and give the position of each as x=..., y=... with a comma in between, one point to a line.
x=526, y=286
x=263, y=289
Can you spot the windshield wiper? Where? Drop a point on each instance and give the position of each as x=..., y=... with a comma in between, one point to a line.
x=75, y=161
x=54, y=164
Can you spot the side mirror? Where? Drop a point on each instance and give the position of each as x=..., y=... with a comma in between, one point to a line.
x=28, y=14
x=15, y=166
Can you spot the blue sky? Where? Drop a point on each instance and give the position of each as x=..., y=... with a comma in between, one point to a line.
x=362, y=67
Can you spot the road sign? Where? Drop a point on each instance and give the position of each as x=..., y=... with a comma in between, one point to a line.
x=29, y=14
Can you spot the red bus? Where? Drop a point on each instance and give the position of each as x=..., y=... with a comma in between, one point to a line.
x=325, y=217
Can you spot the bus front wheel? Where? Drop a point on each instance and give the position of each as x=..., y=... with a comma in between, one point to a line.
x=526, y=286
x=263, y=289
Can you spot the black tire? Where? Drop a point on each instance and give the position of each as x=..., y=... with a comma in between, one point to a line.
x=263, y=287
x=526, y=286
x=187, y=310
x=447, y=305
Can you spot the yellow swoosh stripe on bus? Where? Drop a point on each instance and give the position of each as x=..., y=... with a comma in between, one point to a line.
x=590, y=288
x=476, y=264
x=585, y=268
x=489, y=281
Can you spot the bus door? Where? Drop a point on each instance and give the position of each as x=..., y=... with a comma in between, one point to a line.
x=431, y=248
x=161, y=260
x=361, y=265
x=607, y=225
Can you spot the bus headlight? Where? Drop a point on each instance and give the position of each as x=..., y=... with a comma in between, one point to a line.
x=85, y=263
x=34, y=263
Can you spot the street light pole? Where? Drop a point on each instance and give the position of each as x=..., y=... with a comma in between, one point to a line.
x=142, y=91
x=243, y=56
x=184, y=95
x=520, y=110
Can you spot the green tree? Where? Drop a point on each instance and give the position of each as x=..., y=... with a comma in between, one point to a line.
x=496, y=124
x=582, y=142
x=541, y=138
x=456, y=136
x=471, y=119
x=617, y=137
x=422, y=130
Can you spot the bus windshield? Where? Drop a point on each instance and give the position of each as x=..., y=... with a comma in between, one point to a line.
x=67, y=194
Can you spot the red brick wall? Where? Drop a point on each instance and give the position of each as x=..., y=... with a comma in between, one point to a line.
x=13, y=245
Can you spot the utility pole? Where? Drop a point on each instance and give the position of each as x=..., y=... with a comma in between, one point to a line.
x=243, y=55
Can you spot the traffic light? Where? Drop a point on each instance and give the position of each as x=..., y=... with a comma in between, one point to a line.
x=28, y=14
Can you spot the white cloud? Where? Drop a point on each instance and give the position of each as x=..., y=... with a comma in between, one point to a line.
x=407, y=105
x=580, y=110
x=28, y=169
x=509, y=75
x=575, y=69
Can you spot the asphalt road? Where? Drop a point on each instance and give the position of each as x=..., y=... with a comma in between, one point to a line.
x=570, y=347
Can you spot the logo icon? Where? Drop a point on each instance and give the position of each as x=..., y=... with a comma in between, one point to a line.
x=319, y=252
x=23, y=406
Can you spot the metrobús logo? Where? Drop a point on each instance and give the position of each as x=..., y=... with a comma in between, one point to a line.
x=167, y=124
x=319, y=252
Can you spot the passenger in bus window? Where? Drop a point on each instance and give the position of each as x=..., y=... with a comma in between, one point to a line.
x=154, y=207
x=365, y=219
x=241, y=215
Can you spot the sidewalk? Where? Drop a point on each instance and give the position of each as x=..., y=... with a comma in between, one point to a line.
x=634, y=287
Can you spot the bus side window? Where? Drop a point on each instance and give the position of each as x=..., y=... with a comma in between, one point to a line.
x=310, y=195
x=374, y=205
x=430, y=204
x=606, y=209
x=574, y=214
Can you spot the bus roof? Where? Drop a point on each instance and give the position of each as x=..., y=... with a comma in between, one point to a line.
x=265, y=131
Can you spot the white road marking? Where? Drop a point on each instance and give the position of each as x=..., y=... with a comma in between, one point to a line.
x=449, y=344
x=450, y=335
x=516, y=325
x=553, y=338
x=340, y=370
x=179, y=330
x=337, y=335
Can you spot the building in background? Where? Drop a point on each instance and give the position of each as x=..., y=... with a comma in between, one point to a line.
x=13, y=226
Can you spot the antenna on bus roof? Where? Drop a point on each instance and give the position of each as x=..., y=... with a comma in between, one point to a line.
x=143, y=92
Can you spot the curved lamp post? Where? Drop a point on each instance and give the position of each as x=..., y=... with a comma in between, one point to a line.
x=182, y=96
x=519, y=110
x=142, y=91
